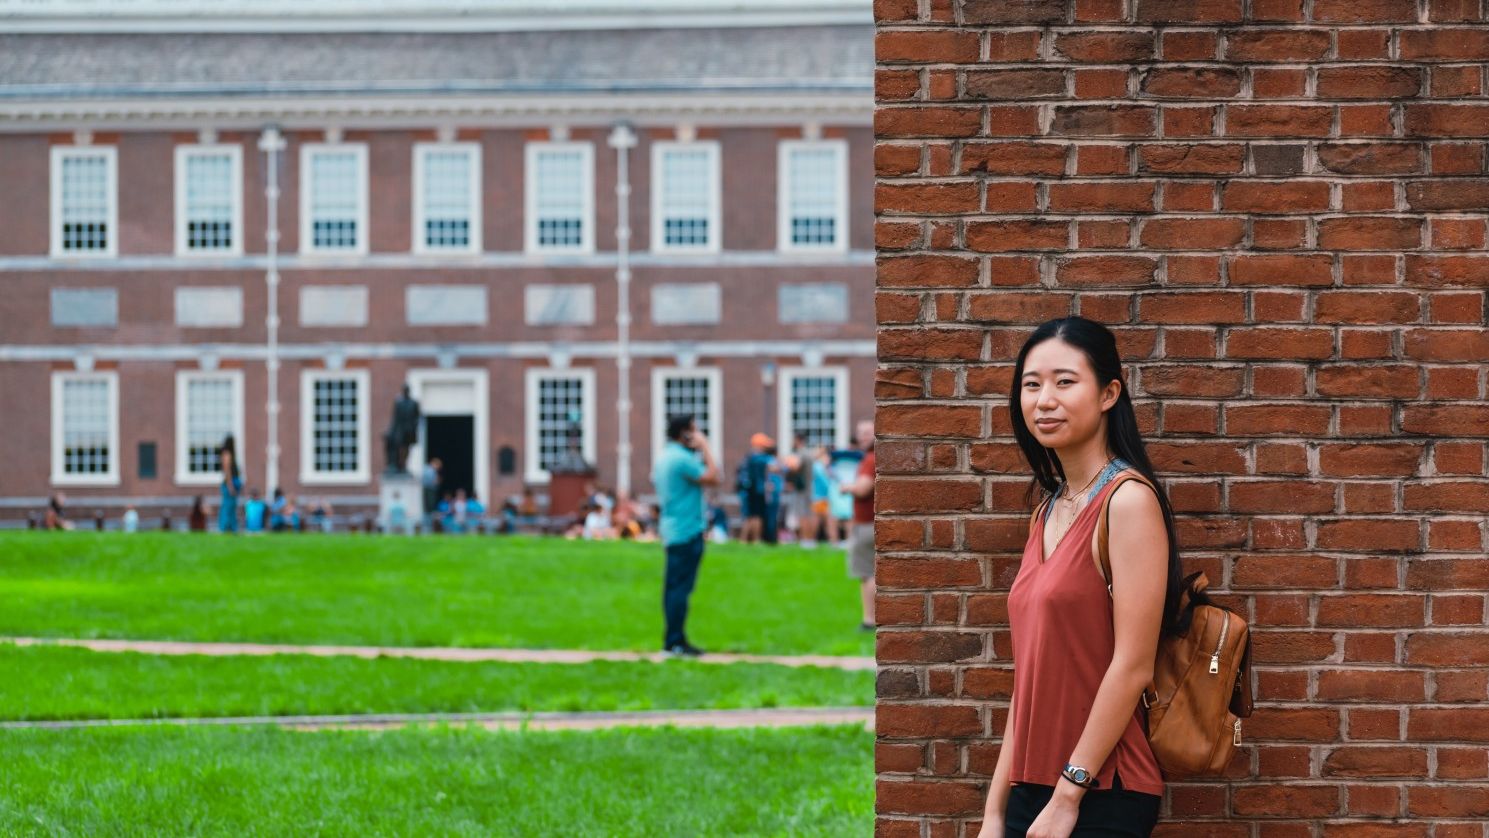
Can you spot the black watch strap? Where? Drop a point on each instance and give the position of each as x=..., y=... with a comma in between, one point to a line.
x=1079, y=776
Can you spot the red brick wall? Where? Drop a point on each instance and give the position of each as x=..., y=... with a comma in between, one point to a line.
x=1279, y=206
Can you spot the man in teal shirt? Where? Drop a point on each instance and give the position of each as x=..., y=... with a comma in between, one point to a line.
x=680, y=476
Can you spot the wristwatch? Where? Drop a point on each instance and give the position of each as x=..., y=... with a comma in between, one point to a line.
x=1079, y=776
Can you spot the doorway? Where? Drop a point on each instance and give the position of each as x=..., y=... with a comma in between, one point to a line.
x=453, y=440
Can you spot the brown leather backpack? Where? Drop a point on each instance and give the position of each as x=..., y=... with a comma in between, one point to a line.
x=1201, y=679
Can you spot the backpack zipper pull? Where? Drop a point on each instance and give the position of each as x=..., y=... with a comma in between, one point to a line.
x=1214, y=664
x=1237, y=739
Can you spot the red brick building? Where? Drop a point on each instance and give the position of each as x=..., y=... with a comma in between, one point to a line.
x=1279, y=207
x=448, y=215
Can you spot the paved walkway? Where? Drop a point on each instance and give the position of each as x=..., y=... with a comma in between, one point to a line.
x=441, y=653
x=779, y=717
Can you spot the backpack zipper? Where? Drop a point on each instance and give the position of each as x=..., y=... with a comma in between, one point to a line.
x=1215, y=658
x=1237, y=739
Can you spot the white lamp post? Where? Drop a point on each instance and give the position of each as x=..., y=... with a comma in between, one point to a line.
x=271, y=142
x=623, y=139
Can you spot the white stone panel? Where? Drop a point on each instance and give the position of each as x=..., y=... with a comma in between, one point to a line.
x=559, y=305
x=813, y=302
x=97, y=307
x=333, y=305
x=210, y=307
x=446, y=305
x=686, y=304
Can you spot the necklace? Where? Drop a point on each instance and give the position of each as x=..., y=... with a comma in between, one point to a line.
x=1066, y=503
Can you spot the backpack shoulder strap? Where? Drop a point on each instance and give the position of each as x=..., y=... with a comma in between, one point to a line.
x=1103, y=527
x=1033, y=516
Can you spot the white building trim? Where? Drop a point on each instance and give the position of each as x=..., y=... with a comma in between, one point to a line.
x=59, y=476
x=659, y=378
x=307, y=184
x=183, y=154
x=841, y=404
x=715, y=190
x=473, y=210
x=531, y=465
x=783, y=196
x=416, y=15
x=184, y=477
x=362, y=474
x=530, y=197
x=110, y=156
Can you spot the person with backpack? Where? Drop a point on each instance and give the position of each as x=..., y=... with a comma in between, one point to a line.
x=754, y=484
x=1107, y=633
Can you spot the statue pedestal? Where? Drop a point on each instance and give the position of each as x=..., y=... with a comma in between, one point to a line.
x=400, y=502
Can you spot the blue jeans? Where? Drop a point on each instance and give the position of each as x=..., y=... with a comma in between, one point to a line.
x=682, y=571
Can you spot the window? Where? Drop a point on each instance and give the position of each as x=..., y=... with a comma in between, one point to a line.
x=685, y=197
x=559, y=402
x=209, y=199
x=333, y=198
x=334, y=427
x=676, y=391
x=560, y=197
x=813, y=195
x=85, y=428
x=447, y=204
x=209, y=407
x=84, y=201
x=814, y=403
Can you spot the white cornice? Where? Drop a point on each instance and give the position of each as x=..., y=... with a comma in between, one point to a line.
x=157, y=16
x=348, y=111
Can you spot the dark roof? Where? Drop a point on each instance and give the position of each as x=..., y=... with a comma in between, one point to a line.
x=827, y=58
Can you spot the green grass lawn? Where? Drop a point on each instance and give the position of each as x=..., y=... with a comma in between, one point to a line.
x=64, y=683
x=266, y=781
x=520, y=592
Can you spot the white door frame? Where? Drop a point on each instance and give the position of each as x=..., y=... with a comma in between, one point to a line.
x=480, y=410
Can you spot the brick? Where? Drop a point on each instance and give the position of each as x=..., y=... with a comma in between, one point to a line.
x=1105, y=47
x=927, y=271
x=1277, y=45
x=1013, y=158
x=1104, y=120
x=1369, y=82
x=1370, y=158
x=926, y=47
x=1017, y=12
x=1191, y=159
x=1191, y=83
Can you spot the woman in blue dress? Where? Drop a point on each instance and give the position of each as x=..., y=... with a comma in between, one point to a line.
x=232, y=487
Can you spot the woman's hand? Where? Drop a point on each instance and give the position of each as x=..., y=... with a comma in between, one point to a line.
x=991, y=828
x=1057, y=820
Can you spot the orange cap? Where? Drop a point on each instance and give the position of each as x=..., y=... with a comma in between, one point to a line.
x=761, y=441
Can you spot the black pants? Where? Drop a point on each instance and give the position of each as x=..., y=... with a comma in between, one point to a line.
x=682, y=571
x=1105, y=813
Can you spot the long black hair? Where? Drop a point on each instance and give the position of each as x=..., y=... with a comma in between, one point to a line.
x=228, y=446
x=1099, y=346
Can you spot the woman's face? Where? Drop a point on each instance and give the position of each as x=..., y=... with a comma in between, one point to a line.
x=1061, y=402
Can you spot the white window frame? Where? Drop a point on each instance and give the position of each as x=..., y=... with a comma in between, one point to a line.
x=530, y=197
x=59, y=475
x=787, y=375
x=473, y=211
x=184, y=477
x=783, y=197
x=659, y=378
x=307, y=225
x=308, y=474
x=533, y=472
x=715, y=202
x=110, y=154
x=184, y=153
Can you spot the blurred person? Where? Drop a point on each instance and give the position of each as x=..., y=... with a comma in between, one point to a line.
x=755, y=481
x=253, y=512
x=230, y=487
x=861, y=540
x=430, y=481
x=685, y=466
x=131, y=520
x=196, y=521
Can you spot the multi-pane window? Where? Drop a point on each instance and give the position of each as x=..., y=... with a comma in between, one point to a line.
x=209, y=408
x=813, y=195
x=447, y=208
x=680, y=392
x=335, y=431
x=813, y=404
x=84, y=204
x=560, y=408
x=560, y=199
x=685, y=189
x=333, y=201
x=85, y=428
x=209, y=199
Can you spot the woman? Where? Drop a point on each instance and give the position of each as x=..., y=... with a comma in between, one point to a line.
x=231, y=486
x=1075, y=758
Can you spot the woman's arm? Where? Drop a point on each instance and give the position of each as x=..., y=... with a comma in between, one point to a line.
x=997, y=794
x=1138, y=549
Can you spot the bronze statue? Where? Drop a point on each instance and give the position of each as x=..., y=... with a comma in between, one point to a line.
x=402, y=432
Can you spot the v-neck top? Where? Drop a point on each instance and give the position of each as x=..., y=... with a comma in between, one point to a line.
x=1060, y=619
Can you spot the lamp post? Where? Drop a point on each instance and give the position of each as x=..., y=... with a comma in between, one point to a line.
x=271, y=142
x=767, y=380
x=623, y=139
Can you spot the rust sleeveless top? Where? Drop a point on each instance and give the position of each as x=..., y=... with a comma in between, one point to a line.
x=1060, y=617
